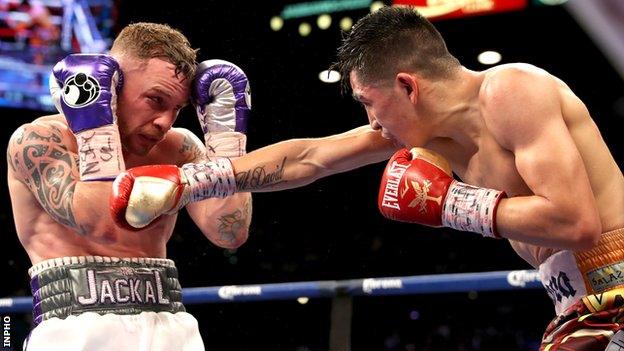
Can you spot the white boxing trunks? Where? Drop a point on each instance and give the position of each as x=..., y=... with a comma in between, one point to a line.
x=108, y=303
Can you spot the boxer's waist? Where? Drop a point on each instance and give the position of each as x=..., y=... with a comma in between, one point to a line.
x=73, y=285
x=568, y=276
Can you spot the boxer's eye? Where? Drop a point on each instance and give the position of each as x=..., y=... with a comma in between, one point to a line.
x=156, y=100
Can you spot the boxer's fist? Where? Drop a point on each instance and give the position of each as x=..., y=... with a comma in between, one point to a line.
x=414, y=186
x=142, y=194
x=222, y=99
x=84, y=89
x=417, y=186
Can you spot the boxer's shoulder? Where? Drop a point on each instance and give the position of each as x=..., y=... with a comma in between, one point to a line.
x=57, y=121
x=45, y=139
x=515, y=68
x=181, y=146
x=43, y=130
x=515, y=95
x=505, y=80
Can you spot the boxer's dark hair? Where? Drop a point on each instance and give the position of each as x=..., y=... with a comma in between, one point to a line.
x=152, y=40
x=391, y=40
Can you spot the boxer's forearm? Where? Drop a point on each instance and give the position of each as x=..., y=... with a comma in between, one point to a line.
x=536, y=220
x=280, y=166
x=87, y=203
x=298, y=162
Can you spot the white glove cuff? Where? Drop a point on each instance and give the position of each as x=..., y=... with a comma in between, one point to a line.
x=210, y=179
x=470, y=208
x=100, y=154
x=225, y=144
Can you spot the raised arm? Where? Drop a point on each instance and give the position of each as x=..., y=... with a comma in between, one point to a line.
x=41, y=162
x=225, y=222
x=524, y=113
x=297, y=162
x=280, y=166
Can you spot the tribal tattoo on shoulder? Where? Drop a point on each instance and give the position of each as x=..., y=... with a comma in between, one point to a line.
x=49, y=170
x=234, y=224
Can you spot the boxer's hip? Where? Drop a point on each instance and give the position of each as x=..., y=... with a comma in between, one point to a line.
x=109, y=303
x=91, y=331
x=71, y=286
x=569, y=276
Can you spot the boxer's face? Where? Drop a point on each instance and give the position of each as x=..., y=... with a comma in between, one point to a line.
x=388, y=109
x=151, y=97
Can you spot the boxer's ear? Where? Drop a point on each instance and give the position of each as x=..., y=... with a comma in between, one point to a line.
x=408, y=83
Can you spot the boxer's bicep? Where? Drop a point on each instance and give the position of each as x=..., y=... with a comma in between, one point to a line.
x=526, y=119
x=551, y=165
x=39, y=158
x=562, y=206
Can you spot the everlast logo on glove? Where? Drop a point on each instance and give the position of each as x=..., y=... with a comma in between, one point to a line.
x=391, y=192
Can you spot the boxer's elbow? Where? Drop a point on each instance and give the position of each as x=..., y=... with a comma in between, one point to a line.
x=235, y=241
x=581, y=230
x=586, y=232
x=228, y=238
x=225, y=222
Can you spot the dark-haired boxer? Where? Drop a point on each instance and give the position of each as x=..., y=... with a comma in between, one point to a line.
x=96, y=285
x=534, y=167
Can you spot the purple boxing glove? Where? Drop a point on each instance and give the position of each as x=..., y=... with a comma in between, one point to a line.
x=84, y=89
x=222, y=100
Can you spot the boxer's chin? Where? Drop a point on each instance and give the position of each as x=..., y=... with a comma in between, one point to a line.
x=394, y=141
x=397, y=143
x=137, y=146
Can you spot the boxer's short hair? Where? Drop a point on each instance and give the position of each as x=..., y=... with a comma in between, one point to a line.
x=392, y=40
x=152, y=40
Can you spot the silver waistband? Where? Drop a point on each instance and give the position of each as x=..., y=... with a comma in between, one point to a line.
x=73, y=285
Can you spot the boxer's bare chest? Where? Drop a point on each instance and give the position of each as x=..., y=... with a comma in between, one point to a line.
x=46, y=238
x=491, y=166
x=494, y=167
x=487, y=165
x=90, y=229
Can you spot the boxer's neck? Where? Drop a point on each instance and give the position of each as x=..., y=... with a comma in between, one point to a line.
x=453, y=107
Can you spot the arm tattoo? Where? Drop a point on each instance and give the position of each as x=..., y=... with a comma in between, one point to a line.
x=10, y=161
x=259, y=177
x=49, y=170
x=231, y=225
x=191, y=151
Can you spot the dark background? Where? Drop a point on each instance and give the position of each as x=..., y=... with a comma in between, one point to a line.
x=332, y=229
